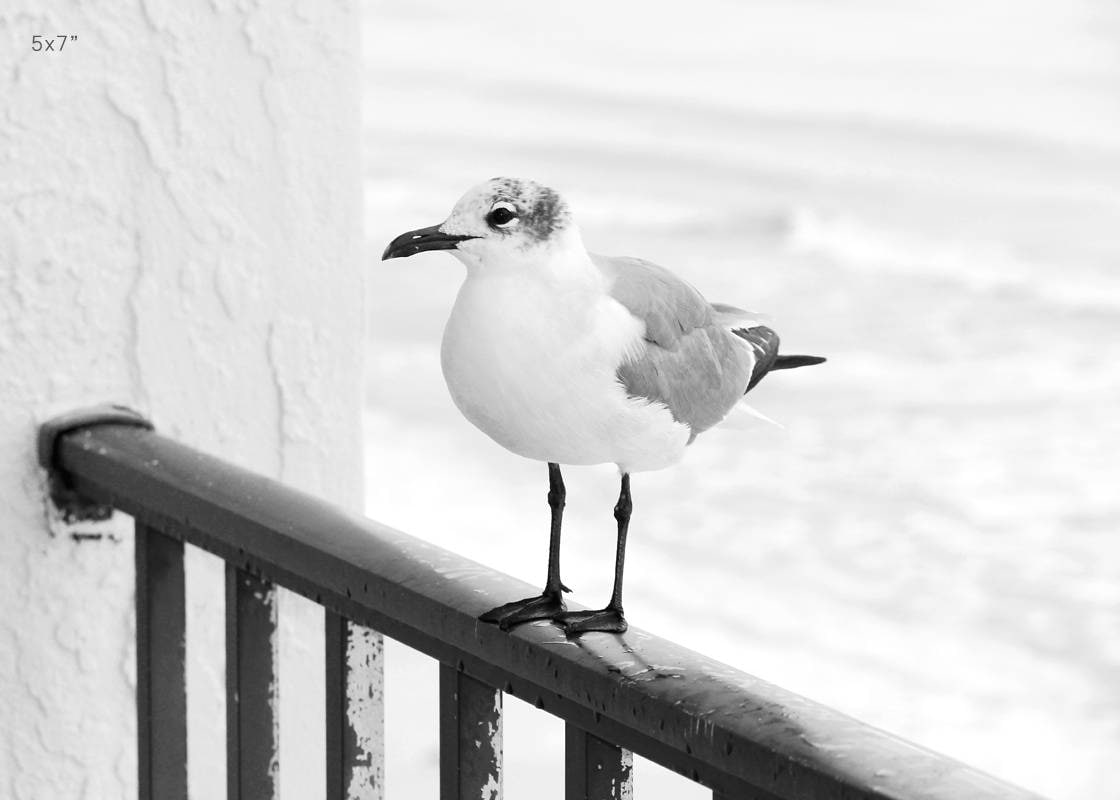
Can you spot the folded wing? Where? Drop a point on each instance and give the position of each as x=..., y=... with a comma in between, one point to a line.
x=692, y=362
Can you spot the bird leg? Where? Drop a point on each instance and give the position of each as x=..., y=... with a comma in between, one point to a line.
x=609, y=619
x=550, y=603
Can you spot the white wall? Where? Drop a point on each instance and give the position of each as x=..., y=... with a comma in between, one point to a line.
x=179, y=232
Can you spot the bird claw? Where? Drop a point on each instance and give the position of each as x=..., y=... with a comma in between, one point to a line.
x=608, y=620
x=545, y=606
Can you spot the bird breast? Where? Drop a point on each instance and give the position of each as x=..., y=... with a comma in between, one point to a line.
x=533, y=365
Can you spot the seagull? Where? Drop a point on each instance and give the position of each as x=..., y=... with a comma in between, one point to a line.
x=568, y=357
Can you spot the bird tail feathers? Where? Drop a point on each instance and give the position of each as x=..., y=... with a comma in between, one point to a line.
x=742, y=416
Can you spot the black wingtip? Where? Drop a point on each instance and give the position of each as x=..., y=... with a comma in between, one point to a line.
x=792, y=362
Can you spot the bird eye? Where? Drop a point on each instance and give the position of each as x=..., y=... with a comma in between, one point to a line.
x=501, y=215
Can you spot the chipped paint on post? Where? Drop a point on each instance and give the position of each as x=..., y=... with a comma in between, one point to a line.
x=491, y=725
x=365, y=712
x=596, y=769
x=470, y=737
x=355, y=721
x=622, y=784
x=252, y=688
x=269, y=600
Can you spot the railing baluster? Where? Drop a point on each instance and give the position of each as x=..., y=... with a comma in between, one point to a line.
x=355, y=753
x=252, y=740
x=161, y=691
x=470, y=737
x=594, y=769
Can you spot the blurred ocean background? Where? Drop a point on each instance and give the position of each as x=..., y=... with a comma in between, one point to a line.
x=927, y=193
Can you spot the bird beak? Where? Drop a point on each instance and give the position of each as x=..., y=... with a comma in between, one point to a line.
x=413, y=242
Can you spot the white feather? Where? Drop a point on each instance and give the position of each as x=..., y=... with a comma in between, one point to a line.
x=533, y=363
x=742, y=417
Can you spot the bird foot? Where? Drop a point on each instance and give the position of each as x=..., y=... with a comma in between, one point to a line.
x=609, y=620
x=546, y=606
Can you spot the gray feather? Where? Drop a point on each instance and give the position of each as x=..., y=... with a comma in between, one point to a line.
x=668, y=306
x=692, y=364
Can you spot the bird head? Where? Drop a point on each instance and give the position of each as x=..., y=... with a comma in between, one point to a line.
x=502, y=223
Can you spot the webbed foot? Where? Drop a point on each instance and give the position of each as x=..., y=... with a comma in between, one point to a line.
x=609, y=620
x=545, y=606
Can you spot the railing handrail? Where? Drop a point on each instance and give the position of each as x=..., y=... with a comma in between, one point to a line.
x=711, y=722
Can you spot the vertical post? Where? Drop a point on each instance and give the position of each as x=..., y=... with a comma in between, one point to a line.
x=470, y=737
x=161, y=690
x=594, y=769
x=355, y=716
x=252, y=762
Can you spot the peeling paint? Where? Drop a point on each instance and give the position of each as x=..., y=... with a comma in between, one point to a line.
x=623, y=788
x=366, y=712
x=492, y=790
x=270, y=599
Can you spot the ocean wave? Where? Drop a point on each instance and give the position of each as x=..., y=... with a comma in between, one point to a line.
x=981, y=266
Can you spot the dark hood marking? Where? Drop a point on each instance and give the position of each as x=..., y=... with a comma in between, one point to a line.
x=541, y=210
x=548, y=214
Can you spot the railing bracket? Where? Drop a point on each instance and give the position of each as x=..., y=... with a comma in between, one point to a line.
x=71, y=505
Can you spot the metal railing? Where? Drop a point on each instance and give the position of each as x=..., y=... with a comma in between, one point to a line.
x=731, y=732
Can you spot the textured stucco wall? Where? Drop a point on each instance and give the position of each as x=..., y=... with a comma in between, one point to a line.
x=179, y=231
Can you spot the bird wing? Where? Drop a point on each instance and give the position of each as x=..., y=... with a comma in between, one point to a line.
x=692, y=362
x=669, y=306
